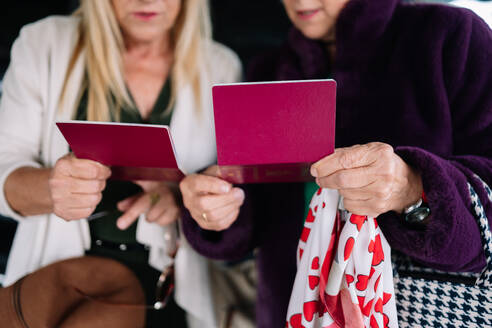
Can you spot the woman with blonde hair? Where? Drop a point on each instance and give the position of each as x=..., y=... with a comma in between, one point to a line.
x=136, y=61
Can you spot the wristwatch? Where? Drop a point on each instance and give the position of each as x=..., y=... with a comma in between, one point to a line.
x=416, y=213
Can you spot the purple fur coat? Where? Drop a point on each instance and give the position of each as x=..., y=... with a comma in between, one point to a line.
x=418, y=77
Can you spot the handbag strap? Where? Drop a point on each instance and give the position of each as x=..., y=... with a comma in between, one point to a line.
x=485, y=279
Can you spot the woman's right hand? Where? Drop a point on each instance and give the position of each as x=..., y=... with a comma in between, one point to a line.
x=76, y=186
x=213, y=203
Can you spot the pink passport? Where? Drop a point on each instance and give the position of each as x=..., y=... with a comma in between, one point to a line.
x=133, y=151
x=273, y=131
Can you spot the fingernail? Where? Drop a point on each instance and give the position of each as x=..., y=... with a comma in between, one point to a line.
x=225, y=188
x=314, y=172
x=239, y=193
x=121, y=224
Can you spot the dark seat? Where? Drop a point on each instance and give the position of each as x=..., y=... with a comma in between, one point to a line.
x=249, y=27
x=7, y=232
x=19, y=13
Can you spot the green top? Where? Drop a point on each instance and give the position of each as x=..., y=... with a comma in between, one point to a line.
x=105, y=228
x=309, y=189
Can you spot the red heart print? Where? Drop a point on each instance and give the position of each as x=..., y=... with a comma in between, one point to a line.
x=324, y=204
x=315, y=263
x=322, y=309
x=386, y=321
x=370, y=248
x=371, y=272
x=379, y=306
x=375, y=222
x=374, y=323
x=366, y=310
x=296, y=321
x=377, y=283
x=313, y=282
x=361, y=300
x=378, y=255
x=310, y=217
x=305, y=234
x=350, y=279
x=309, y=309
x=358, y=220
x=319, y=191
x=316, y=209
x=349, y=245
x=386, y=297
x=301, y=251
x=361, y=282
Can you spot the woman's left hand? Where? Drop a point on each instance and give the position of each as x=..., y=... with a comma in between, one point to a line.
x=158, y=201
x=371, y=178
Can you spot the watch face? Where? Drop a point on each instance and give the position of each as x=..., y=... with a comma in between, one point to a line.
x=417, y=215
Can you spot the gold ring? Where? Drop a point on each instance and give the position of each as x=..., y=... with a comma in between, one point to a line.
x=204, y=216
x=154, y=198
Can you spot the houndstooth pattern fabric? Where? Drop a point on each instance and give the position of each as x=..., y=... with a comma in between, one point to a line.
x=424, y=303
x=432, y=303
x=485, y=232
x=485, y=279
x=404, y=263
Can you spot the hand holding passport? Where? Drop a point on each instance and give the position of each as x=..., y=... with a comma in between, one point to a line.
x=132, y=151
x=273, y=131
x=265, y=132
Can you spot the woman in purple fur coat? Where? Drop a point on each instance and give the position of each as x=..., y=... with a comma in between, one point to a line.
x=414, y=120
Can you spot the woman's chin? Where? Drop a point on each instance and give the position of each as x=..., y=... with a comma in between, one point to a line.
x=146, y=34
x=314, y=33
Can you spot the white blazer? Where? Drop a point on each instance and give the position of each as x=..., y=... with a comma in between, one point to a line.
x=29, y=137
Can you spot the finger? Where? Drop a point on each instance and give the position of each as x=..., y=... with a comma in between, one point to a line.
x=203, y=184
x=218, y=214
x=85, y=169
x=212, y=170
x=73, y=214
x=77, y=201
x=168, y=217
x=165, y=202
x=125, y=204
x=155, y=213
x=208, y=203
x=79, y=186
x=347, y=158
x=141, y=205
x=225, y=223
x=349, y=178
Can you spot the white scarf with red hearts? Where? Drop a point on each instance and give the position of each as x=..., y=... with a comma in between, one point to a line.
x=344, y=273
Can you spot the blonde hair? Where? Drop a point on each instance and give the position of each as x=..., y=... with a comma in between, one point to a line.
x=101, y=38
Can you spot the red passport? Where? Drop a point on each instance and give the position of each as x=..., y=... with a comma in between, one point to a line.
x=133, y=151
x=273, y=131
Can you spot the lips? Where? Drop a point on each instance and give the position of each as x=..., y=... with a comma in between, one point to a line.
x=144, y=15
x=307, y=14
